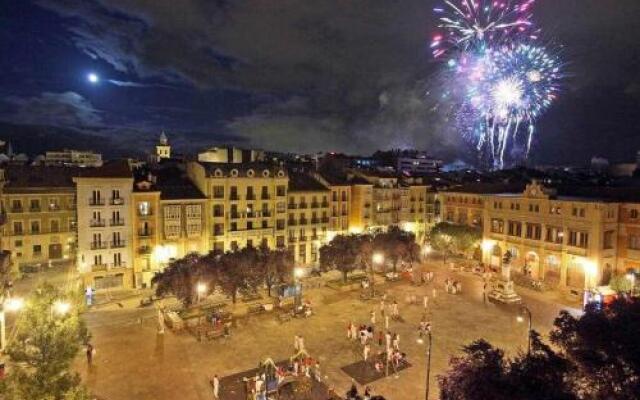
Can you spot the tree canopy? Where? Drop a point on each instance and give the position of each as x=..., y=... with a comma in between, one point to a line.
x=450, y=237
x=45, y=343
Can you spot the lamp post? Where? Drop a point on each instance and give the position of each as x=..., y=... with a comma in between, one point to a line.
x=201, y=289
x=590, y=270
x=377, y=258
x=526, y=310
x=12, y=304
x=429, y=337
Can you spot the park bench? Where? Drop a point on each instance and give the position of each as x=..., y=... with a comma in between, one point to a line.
x=284, y=317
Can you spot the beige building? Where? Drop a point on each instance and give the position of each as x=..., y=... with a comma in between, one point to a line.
x=73, y=158
x=307, y=217
x=569, y=242
x=105, y=228
x=339, y=203
x=40, y=215
x=246, y=203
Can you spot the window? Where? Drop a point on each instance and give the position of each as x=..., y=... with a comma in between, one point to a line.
x=97, y=259
x=17, y=228
x=172, y=212
x=302, y=252
x=533, y=231
x=634, y=242
x=249, y=242
x=515, y=228
x=264, y=224
x=218, y=192
x=193, y=211
x=281, y=190
x=55, y=225
x=35, y=226
x=34, y=205
x=279, y=241
x=37, y=250
x=234, y=226
x=578, y=239
x=607, y=242
x=218, y=210
x=234, y=193
x=16, y=206
x=265, y=193
x=144, y=208
x=633, y=214
x=582, y=212
x=554, y=235
x=218, y=229
x=250, y=194
x=117, y=259
x=497, y=225
x=234, y=245
x=18, y=243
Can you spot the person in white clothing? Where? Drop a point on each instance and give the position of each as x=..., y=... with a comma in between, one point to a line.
x=300, y=343
x=425, y=302
x=365, y=352
x=216, y=386
x=296, y=343
x=373, y=317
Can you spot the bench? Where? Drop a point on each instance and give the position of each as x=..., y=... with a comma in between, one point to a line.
x=284, y=317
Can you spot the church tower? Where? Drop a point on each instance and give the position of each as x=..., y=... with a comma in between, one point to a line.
x=163, y=149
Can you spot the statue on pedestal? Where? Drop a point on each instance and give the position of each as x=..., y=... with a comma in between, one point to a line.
x=502, y=289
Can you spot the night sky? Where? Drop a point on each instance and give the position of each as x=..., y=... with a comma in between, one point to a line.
x=295, y=75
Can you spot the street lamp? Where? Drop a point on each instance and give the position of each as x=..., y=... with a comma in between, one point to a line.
x=426, y=250
x=13, y=304
x=421, y=341
x=376, y=258
x=520, y=319
x=590, y=270
x=61, y=307
x=201, y=289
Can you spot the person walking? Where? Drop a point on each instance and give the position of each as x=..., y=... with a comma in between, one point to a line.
x=388, y=340
x=366, y=351
x=373, y=317
x=382, y=307
x=296, y=343
x=380, y=337
x=354, y=332
x=394, y=309
x=90, y=351
x=349, y=330
x=396, y=342
x=300, y=343
x=215, y=382
x=425, y=302
x=434, y=293
x=386, y=322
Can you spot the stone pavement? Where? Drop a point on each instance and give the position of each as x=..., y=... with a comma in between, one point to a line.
x=133, y=362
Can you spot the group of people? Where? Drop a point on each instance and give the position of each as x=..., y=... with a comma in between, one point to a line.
x=452, y=286
x=353, y=394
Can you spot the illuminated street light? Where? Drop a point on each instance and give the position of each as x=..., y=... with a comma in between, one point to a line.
x=377, y=258
x=487, y=245
x=12, y=304
x=298, y=272
x=426, y=250
x=201, y=288
x=421, y=341
x=61, y=307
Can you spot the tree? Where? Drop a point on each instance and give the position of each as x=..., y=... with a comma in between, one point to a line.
x=236, y=272
x=603, y=344
x=485, y=373
x=397, y=246
x=7, y=273
x=276, y=266
x=621, y=283
x=42, y=349
x=342, y=254
x=448, y=237
x=181, y=278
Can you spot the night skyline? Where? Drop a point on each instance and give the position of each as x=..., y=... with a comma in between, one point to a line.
x=295, y=76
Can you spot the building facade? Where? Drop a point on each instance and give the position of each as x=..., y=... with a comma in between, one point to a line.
x=73, y=158
x=105, y=226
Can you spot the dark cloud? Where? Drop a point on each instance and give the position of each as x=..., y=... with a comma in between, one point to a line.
x=333, y=73
x=68, y=109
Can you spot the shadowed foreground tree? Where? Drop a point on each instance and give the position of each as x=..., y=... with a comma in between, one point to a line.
x=397, y=246
x=237, y=272
x=46, y=340
x=449, y=237
x=484, y=373
x=603, y=344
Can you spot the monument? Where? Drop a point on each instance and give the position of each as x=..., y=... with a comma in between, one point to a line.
x=502, y=287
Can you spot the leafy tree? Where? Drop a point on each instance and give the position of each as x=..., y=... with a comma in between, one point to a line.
x=7, y=273
x=448, y=237
x=342, y=254
x=181, y=278
x=397, y=246
x=483, y=372
x=620, y=283
x=42, y=349
x=237, y=272
x=276, y=266
x=603, y=344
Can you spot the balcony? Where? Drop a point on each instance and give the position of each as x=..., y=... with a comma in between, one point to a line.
x=265, y=196
x=302, y=205
x=144, y=250
x=218, y=215
x=304, y=221
x=96, y=202
x=235, y=215
x=292, y=222
x=98, y=245
x=17, y=209
x=315, y=221
x=118, y=245
x=324, y=204
x=54, y=207
x=116, y=222
x=97, y=223
x=35, y=209
x=145, y=232
x=118, y=265
x=234, y=197
x=145, y=213
x=303, y=238
x=99, y=267
x=291, y=206
x=315, y=205
x=315, y=237
x=292, y=239
x=251, y=196
x=258, y=231
x=116, y=201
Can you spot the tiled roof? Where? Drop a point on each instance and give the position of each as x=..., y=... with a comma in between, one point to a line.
x=24, y=177
x=112, y=169
x=174, y=184
x=243, y=169
x=301, y=182
x=486, y=188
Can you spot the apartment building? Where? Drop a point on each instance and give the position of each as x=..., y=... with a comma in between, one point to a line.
x=73, y=158
x=308, y=211
x=246, y=203
x=339, y=202
x=40, y=215
x=569, y=242
x=105, y=227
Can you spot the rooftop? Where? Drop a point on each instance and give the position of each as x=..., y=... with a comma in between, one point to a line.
x=21, y=178
x=302, y=182
x=112, y=169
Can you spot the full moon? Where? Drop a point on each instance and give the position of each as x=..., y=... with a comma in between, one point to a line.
x=93, y=78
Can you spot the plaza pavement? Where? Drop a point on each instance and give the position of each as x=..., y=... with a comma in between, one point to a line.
x=133, y=362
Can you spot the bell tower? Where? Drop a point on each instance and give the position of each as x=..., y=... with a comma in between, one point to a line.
x=163, y=149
